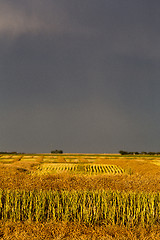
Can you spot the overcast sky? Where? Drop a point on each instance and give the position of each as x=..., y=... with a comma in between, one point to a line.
x=81, y=76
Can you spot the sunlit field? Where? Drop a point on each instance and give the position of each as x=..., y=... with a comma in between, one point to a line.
x=79, y=196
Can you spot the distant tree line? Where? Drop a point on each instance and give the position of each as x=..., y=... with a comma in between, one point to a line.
x=57, y=151
x=136, y=153
x=8, y=153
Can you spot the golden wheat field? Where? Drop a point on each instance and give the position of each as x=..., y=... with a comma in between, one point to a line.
x=79, y=196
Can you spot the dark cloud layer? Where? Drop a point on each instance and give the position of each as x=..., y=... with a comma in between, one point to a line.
x=82, y=76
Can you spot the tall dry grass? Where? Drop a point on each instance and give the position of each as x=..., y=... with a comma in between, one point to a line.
x=89, y=207
x=142, y=175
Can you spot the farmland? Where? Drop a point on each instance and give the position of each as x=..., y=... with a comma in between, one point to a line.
x=79, y=196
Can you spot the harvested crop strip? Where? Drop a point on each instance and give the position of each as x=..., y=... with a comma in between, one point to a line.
x=77, y=168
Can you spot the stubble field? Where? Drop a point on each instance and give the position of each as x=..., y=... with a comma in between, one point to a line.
x=79, y=196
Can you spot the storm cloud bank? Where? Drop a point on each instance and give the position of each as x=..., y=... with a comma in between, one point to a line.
x=82, y=76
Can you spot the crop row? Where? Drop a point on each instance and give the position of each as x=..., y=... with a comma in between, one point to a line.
x=88, y=168
x=90, y=207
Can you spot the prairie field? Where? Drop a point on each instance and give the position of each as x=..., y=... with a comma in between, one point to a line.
x=79, y=196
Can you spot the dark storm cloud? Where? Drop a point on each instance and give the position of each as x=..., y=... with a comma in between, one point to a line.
x=79, y=75
x=36, y=17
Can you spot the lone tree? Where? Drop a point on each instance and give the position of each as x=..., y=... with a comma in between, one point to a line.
x=57, y=151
